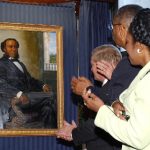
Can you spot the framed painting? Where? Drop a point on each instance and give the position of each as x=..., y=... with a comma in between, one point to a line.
x=40, y=53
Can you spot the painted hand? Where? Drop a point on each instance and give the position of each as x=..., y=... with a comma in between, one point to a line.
x=46, y=88
x=24, y=99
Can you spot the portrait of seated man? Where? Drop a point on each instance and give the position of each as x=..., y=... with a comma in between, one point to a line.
x=25, y=102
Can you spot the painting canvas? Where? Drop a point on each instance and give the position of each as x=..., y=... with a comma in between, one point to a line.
x=41, y=51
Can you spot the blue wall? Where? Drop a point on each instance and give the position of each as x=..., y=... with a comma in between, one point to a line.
x=51, y=15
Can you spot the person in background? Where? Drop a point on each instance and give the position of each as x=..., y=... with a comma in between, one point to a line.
x=107, y=53
x=130, y=124
x=17, y=82
x=88, y=133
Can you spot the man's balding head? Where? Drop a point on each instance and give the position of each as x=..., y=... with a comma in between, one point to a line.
x=126, y=13
x=121, y=23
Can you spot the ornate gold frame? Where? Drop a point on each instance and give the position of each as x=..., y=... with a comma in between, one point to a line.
x=60, y=83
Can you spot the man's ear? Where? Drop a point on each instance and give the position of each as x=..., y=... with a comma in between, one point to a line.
x=123, y=32
x=4, y=49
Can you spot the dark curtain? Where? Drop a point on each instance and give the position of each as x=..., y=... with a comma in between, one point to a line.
x=51, y=15
x=94, y=22
x=94, y=30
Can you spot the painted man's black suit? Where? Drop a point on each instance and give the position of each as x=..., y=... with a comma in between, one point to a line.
x=13, y=80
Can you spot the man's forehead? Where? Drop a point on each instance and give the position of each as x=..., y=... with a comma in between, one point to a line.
x=11, y=41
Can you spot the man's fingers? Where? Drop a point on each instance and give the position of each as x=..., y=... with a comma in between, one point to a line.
x=92, y=96
x=103, y=65
x=73, y=123
x=73, y=83
x=87, y=97
x=66, y=123
x=82, y=79
x=74, y=80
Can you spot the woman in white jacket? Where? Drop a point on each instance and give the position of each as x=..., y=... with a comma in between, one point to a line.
x=129, y=122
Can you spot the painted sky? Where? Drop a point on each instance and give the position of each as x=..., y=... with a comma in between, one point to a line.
x=52, y=43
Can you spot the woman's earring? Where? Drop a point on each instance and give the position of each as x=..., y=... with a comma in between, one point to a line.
x=139, y=51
